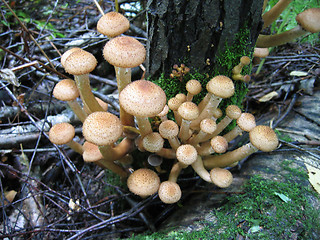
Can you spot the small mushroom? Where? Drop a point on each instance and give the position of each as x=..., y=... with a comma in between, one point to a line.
x=169, y=192
x=113, y=24
x=221, y=177
x=143, y=182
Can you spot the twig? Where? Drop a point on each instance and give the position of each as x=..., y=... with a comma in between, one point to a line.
x=289, y=108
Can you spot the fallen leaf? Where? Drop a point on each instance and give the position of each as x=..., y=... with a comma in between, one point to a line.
x=298, y=73
x=283, y=197
x=314, y=176
x=268, y=96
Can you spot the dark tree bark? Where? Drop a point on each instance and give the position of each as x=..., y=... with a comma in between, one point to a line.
x=197, y=31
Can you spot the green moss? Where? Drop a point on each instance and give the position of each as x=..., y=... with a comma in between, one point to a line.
x=265, y=209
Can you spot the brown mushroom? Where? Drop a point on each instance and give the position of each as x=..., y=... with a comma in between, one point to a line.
x=113, y=24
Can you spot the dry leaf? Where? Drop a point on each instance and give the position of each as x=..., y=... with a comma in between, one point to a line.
x=314, y=176
x=298, y=73
x=268, y=96
x=10, y=195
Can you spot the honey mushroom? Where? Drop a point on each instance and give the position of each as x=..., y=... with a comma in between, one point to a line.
x=188, y=111
x=261, y=138
x=170, y=130
x=66, y=90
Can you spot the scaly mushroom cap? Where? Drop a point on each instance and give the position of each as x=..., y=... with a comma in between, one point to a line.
x=169, y=192
x=233, y=111
x=66, y=90
x=142, y=98
x=208, y=125
x=113, y=24
x=246, y=122
x=168, y=129
x=309, y=20
x=102, y=128
x=221, y=177
x=61, y=133
x=174, y=103
x=188, y=111
x=245, y=60
x=80, y=62
x=219, y=144
x=221, y=86
x=153, y=142
x=67, y=54
x=193, y=86
x=124, y=52
x=91, y=152
x=186, y=154
x=143, y=182
x=263, y=138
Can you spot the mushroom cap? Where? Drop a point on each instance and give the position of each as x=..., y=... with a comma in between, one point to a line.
x=233, y=111
x=143, y=182
x=66, y=90
x=124, y=52
x=79, y=62
x=193, y=86
x=113, y=24
x=261, y=52
x=221, y=86
x=168, y=129
x=102, y=128
x=309, y=20
x=208, y=125
x=61, y=133
x=174, y=103
x=169, y=192
x=155, y=160
x=245, y=60
x=219, y=144
x=263, y=138
x=67, y=54
x=164, y=111
x=246, y=122
x=188, y=111
x=142, y=98
x=186, y=154
x=181, y=96
x=221, y=177
x=217, y=113
x=153, y=142
x=91, y=152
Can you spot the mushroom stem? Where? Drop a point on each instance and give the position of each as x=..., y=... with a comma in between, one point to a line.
x=86, y=94
x=265, y=41
x=270, y=16
x=144, y=126
x=200, y=170
x=75, y=146
x=123, y=76
x=229, y=157
x=184, y=130
x=78, y=111
x=175, y=171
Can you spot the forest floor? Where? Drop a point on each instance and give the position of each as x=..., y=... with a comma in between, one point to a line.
x=47, y=192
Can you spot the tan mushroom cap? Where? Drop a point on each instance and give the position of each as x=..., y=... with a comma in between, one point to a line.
x=124, y=52
x=169, y=192
x=164, y=111
x=153, y=142
x=143, y=182
x=67, y=54
x=168, y=129
x=246, y=122
x=219, y=144
x=174, y=103
x=66, y=90
x=61, y=133
x=263, y=138
x=245, y=60
x=221, y=86
x=233, y=111
x=102, y=128
x=80, y=62
x=208, y=125
x=91, y=152
x=221, y=177
x=181, y=96
x=186, y=154
x=309, y=20
x=142, y=98
x=193, y=86
x=188, y=111
x=113, y=24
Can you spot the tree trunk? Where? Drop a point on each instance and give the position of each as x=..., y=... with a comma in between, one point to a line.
x=197, y=33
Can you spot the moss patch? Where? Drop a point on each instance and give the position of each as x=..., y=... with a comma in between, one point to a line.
x=265, y=209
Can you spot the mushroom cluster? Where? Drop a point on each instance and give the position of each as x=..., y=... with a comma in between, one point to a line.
x=191, y=140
